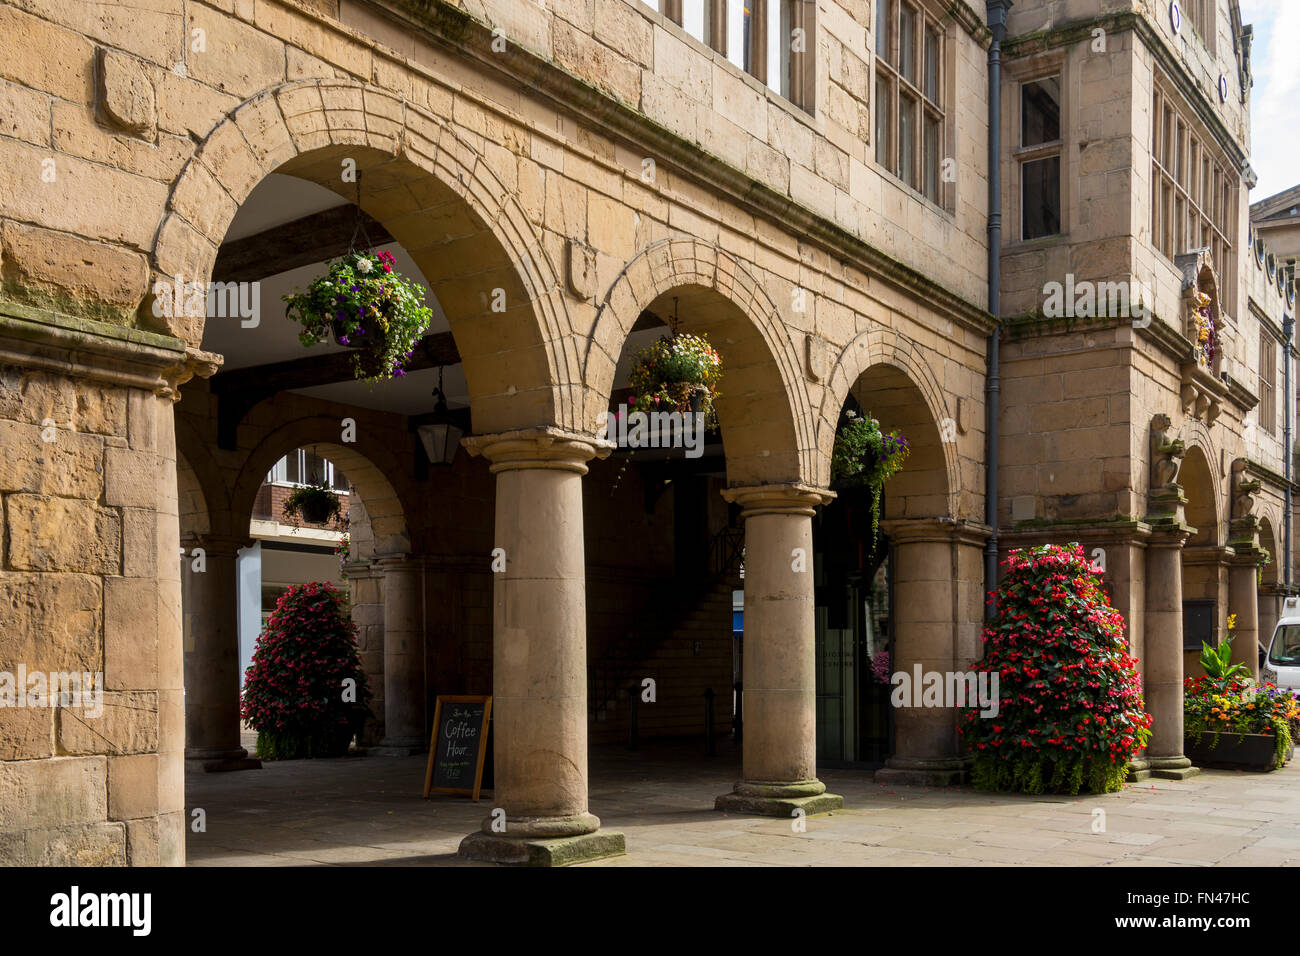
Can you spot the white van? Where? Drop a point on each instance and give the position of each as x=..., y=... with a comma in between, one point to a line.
x=1282, y=665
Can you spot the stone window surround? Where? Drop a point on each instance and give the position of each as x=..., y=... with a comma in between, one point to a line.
x=884, y=71
x=1223, y=182
x=1018, y=73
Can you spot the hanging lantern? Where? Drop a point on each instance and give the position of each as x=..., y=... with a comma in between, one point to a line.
x=440, y=437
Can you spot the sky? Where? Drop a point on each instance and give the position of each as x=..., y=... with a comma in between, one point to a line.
x=1275, y=62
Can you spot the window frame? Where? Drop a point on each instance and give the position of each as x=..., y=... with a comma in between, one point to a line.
x=279, y=473
x=1038, y=152
x=1267, y=383
x=1183, y=216
x=908, y=97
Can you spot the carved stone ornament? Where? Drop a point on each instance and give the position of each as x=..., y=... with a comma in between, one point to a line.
x=1166, y=456
x=582, y=269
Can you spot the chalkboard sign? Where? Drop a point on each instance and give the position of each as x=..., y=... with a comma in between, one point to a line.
x=458, y=746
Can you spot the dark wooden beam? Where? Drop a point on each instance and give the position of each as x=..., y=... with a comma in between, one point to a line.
x=314, y=238
x=240, y=389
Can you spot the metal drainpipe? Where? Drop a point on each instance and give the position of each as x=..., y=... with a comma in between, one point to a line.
x=997, y=16
x=1288, y=330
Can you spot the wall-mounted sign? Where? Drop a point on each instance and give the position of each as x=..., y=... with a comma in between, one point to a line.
x=1175, y=16
x=1223, y=88
x=459, y=744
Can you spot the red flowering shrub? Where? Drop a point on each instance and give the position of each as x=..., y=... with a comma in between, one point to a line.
x=1070, y=712
x=297, y=694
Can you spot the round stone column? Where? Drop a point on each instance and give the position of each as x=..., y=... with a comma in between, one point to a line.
x=937, y=617
x=212, y=678
x=1243, y=601
x=1162, y=668
x=539, y=658
x=404, y=694
x=779, y=749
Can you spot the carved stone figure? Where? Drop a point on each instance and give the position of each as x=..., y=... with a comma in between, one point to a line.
x=1243, y=491
x=1166, y=454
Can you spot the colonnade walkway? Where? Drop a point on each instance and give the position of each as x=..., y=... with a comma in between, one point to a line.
x=368, y=811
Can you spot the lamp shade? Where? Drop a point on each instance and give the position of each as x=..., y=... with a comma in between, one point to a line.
x=441, y=440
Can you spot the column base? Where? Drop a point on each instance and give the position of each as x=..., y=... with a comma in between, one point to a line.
x=779, y=799
x=397, y=747
x=1173, y=768
x=924, y=771
x=220, y=761
x=1139, y=769
x=553, y=851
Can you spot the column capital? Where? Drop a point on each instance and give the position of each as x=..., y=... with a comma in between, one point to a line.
x=218, y=545
x=1169, y=535
x=398, y=561
x=936, y=529
x=793, y=498
x=546, y=447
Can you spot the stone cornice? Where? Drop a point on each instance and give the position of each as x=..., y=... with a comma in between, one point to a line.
x=96, y=351
x=459, y=32
x=1121, y=528
x=1077, y=31
x=936, y=529
x=970, y=21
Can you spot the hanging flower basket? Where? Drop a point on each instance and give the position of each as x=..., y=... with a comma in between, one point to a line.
x=366, y=306
x=679, y=372
x=314, y=504
x=864, y=456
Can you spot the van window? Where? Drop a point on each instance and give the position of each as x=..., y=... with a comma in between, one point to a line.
x=1286, y=646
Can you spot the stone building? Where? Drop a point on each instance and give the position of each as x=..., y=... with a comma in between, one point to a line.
x=568, y=178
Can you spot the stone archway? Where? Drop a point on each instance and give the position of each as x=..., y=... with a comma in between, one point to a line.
x=386, y=599
x=934, y=557
x=434, y=193
x=764, y=410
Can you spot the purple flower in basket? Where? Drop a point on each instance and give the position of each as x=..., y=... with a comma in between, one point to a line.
x=343, y=340
x=880, y=667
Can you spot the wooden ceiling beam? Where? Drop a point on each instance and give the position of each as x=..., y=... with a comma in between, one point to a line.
x=315, y=238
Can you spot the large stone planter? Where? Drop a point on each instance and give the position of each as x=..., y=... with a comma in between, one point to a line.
x=1234, y=751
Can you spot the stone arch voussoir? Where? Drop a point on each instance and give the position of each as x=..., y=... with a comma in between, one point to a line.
x=685, y=261
x=297, y=118
x=884, y=347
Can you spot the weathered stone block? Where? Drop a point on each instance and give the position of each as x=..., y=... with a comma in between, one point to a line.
x=26, y=733
x=130, y=633
x=128, y=725
x=72, y=274
x=132, y=786
x=69, y=791
x=239, y=59
x=62, y=534
x=142, y=842
x=131, y=477
x=98, y=844
x=50, y=622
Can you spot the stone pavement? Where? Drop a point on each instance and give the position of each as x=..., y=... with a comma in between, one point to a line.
x=368, y=811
